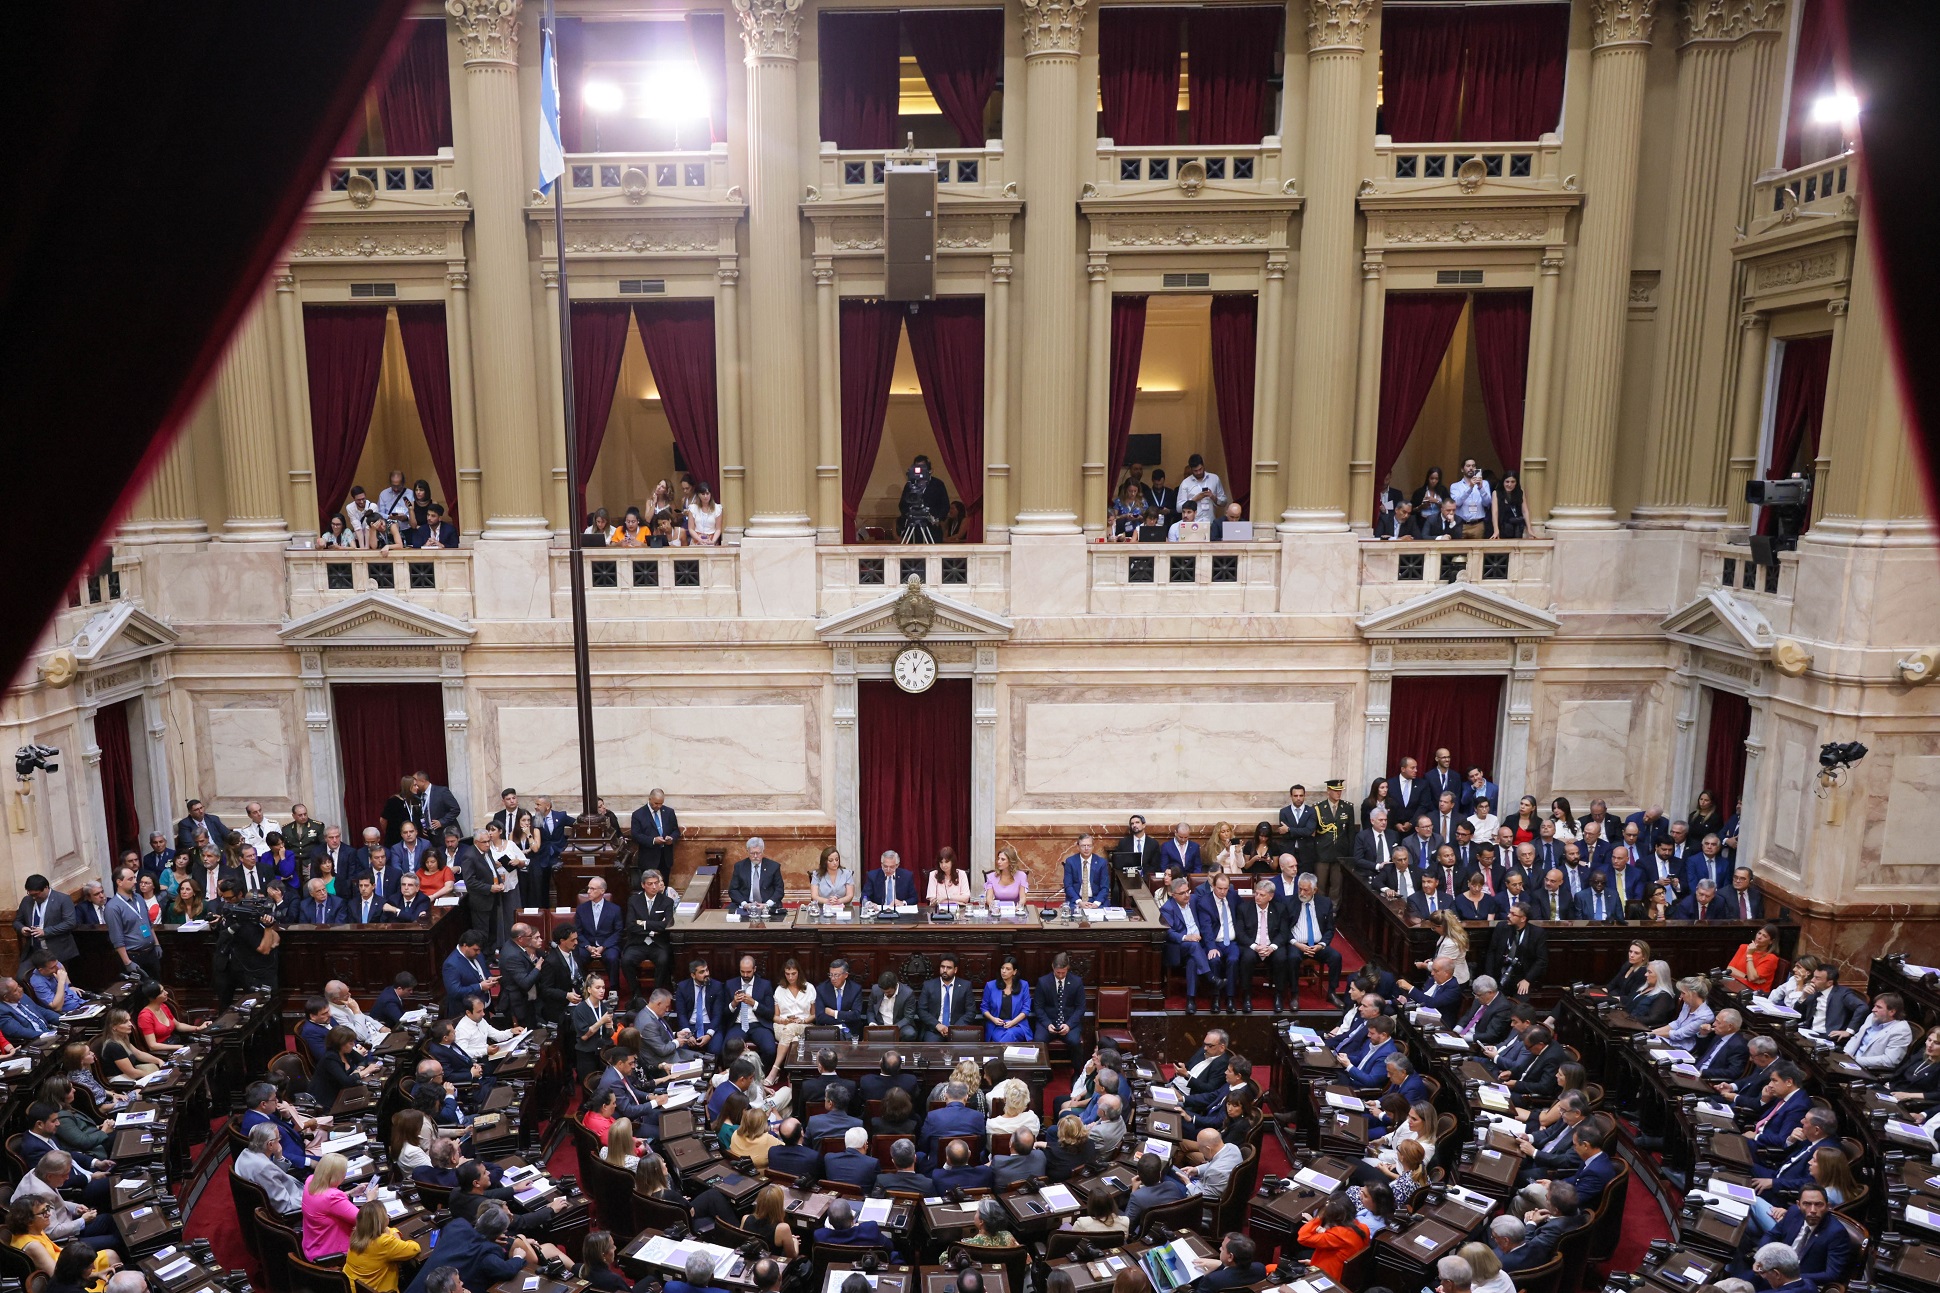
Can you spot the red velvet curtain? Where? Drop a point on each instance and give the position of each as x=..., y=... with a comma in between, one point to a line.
x=1234, y=316
x=414, y=103
x=869, y=331
x=707, y=35
x=946, y=340
x=1724, y=749
x=1512, y=60
x=387, y=730
x=422, y=325
x=599, y=343
x=915, y=782
x=1414, y=338
x=679, y=340
x=1430, y=712
x=961, y=54
x=1127, y=346
x=1798, y=411
x=1421, y=74
x=118, y=806
x=861, y=78
x=1501, y=321
x=1814, y=71
x=343, y=347
x=1229, y=62
x=1138, y=75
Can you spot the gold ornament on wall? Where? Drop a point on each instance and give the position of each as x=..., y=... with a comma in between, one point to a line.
x=60, y=669
x=1790, y=657
x=1919, y=666
x=915, y=610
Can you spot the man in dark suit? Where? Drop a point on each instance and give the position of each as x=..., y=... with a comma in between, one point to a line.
x=1819, y=1129
x=560, y=978
x=1651, y=826
x=1398, y=523
x=1087, y=876
x=1486, y=1019
x=92, y=911
x=1374, y=844
x=1421, y=842
x=481, y=1252
x=319, y=908
x=946, y=1003
x=1441, y=777
x=437, y=806
x=1440, y=991
x=1438, y=523
x=750, y=1014
x=1024, y=1161
x=1818, y=1238
x=1298, y=827
x=838, y=1001
x=699, y=1004
x=1157, y=1186
x=465, y=973
x=1237, y=1267
x=549, y=826
x=1371, y=1069
x=1162, y=496
x=1310, y=931
x=1180, y=854
x=599, y=919
x=159, y=858
x=793, y=1157
x=1429, y=899
x=1597, y=902
x=518, y=963
x=1597, y=1170
x=891, y=1004
x=1721, y=1056
x=1205, y=1070
x=888, y=1076
x=367, y=908
x=1537, y=1083
x=1785, y=1091
x=1745, y=899
x=955, y=1118
x=654, y=829
x=1519, y=953
x=1828, y=1008
x=813, y=1089
x=1216, y=913
x=1408, y=795
x=1059, y=1004
x=756, y=878
x=45, y=920
x=1702, y=903
x=1264, y=932
x=198, y=820
x=890, y=885
x=834, y=1119
x=649, y=915
x=483, y=888
x=1136, y=848
x=436, y=532
x=1398, y=878
x=958, y=1172
x=1747, y=1093
x=1706, y=863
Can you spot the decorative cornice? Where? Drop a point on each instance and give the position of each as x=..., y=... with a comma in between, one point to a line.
x=488, y=30
x=1053, y=26
x=1337, y=24
x=1616, y=23
x=770, y=28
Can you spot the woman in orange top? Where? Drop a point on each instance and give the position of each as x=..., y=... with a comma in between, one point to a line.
x=1756, y=964
x=1335, y=1236
x=434, y=877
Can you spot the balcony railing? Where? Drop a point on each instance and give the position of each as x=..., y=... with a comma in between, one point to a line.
x=1514, y=164
x=974, y=573
x=858, y=172
x=96, y=592
x=1185, y=578
x=390, y=184
x=651, y=583
x=1828, y=187
x=1249, y=170
x=637, y=179
x=1730, y=567
x=1396, y=571
x=438, y=579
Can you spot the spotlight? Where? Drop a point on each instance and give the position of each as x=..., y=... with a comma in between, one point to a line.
x=1837, y=108
x=671, y=92
x=602, y=97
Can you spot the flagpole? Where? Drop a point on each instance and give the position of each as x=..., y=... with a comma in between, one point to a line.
x=582, y=657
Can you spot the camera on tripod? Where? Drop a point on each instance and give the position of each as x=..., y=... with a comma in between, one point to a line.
x=29, y=759
x=916, y=520
x=1787, y=502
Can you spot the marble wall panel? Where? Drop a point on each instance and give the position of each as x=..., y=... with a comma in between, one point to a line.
x=1911, y=840
x=1592, y=749
x=1793, y=802
x=247, y=747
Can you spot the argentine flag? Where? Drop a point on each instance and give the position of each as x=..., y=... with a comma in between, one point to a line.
x=552, y=156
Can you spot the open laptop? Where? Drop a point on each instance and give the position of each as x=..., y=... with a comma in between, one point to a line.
x=1236, y=532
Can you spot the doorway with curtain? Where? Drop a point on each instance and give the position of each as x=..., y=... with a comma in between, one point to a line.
x=1461, y=712
x=385, y=732
x=120, y=810
x=1724, y=749
x=915, y=775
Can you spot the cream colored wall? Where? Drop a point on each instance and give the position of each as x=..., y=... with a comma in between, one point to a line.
x=1175, y=398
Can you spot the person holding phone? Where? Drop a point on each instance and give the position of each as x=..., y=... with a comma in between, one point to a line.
x=1474, y=501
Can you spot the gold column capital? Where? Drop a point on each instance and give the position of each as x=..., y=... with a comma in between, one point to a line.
x=1701, y=21
x=1836, y=307
x=1616, y=23
x=1756, y=18
x=488, y=30
x=1053, y=26
x=770, y=28
x=1337, y=24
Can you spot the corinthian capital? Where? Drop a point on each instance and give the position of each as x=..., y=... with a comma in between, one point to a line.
x=1053, y=26
x=1756, y=18
x=771, y=28
x=1707, y=20
x=1621, y=22
x=488, y=30
x=1337, y=24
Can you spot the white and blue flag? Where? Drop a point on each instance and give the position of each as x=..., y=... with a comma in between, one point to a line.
x=552, y=155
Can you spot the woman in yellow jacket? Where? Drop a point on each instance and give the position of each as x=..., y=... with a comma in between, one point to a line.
x=377, y=1250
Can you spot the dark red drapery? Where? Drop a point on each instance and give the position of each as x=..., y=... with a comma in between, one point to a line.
x=1798, y=411
x=679, y=341
x=1229, y=62
x=387, y=730
x=1234, y=320
x=118, y=806
x=861, y=78
x=1127, y=347
x=343, y=348
x=1512, y=62
x=1138, y=76
x=946, y=341
x=707, y=36
x=869, y=331
x=280, y=84
x=1421, y=74
x=422, y=326
x=1724, y=749
x=1427, y=713
x=599, y=343
x=414, y=103
x=1415, y=334
x=1814, y=72
x=1501, y=322
x=961, y=54
x=915, y=782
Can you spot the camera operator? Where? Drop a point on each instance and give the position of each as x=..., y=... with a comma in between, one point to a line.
x=252, y=935
x=923, y=505
x=1474, y=502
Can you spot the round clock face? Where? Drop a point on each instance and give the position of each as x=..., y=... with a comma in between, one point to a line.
x=915, y=669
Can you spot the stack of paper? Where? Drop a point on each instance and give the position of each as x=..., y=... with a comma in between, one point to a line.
x=1020, y=1054
x=876, y=1210
x=1059, y=1199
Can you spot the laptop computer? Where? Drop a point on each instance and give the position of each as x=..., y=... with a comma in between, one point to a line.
x=1236, y=531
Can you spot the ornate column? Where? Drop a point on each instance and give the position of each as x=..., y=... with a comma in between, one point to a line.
x=1537, y=392
x=848, y=756
x=509, y=427
x=1367, y=394
x=451, y=685
x=464, y=420
x=1518, y=708
x=154, y=722
x=168, y=511
x=561, y=501
x=1750, y=827
x=246, y=406
x=1051, y=441
x=1380, y=701
x=1266, y=388
x=771, y=30
x=91, y=839
x=1323, y=344
x=983, y=759
x=1747, y=407
x=1685, y=755
x=1593, y=369
x=301, y=503
x=1097, y=393
x=996, y=404
x=319, y=724
x=1839, y=307
x=727, y=352
x=828, y=405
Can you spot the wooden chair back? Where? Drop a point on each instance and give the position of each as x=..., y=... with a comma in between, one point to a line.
x=1546, y=1277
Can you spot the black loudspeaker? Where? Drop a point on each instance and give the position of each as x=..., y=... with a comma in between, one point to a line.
x=1764, y=552
x=909, y=231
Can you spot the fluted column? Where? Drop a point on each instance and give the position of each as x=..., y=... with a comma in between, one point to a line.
x=1538, y=388
x=727, y=352
x=1321, y=433
x=1593, y=371
x=771, y=30
x=301, y=494
x=1367, y=394
x=167, y=510
x=1863, y=440
x=1266, y=501
x=828, y=405
x=996, y=405
x=560, y=497
x=507, y=403
x=464, y=417
x=1835, y=383
x=1748, y=402
x=1097, y=393
x=246, y=407
x=1051, y=458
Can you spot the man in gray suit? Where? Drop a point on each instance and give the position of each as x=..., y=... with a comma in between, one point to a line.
x=1024, y=1161
x=891, y=1005
x=45, y=919
x=658, y=1049
x=946, y=1003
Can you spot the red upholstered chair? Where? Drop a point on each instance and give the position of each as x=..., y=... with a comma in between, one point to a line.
x=1114, y=1013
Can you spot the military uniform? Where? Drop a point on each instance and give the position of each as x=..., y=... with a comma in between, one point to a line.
x=1334, y=841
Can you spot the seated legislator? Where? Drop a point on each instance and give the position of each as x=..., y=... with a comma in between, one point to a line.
x=1755, y=964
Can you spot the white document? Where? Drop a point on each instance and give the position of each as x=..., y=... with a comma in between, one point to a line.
x=876, y=1210
x=1059, y=1199
x=1316, y=1180
x=1020, y=1054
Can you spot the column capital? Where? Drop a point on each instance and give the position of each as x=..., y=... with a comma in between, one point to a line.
x=770, y=28
x=549, y=276
x=283, y=278
x=1751, y=319
x=457, y=278
x=1000, y=271
x=824, y=275
x=1704, y=21
x=729, y=275
x=1337, y=24
x=1756, y=18
x=1373, y=268
x=1552, y=265
x=1615, y=23
x=488, y=30
x=1053, y=26
x=1098, y=267
x=1836, y=307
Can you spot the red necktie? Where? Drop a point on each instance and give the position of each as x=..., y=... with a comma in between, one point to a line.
x=1744, y=904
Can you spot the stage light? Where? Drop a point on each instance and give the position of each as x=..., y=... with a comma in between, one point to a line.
x=671, y=92
x=603, y=97
x=1837, y=108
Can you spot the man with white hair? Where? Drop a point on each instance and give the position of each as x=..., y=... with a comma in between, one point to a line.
x=67, y=1220
x=344, y=1010
x=756, y=878
x=1456, y=1275
x=1107, y=1132
x=890, y=886
x=1508, y=1235
x=1778, y=1264
x=128, y=1282
x=259, y=1166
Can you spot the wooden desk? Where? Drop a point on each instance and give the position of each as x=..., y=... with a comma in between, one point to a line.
x=927, y=1060
x=941, y=1279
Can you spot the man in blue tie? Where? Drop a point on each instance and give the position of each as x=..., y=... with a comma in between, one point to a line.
x=319, y=908
x=465, y=972
x=1087, y=876
x=23, y=1019
x=1596, y=902
x=367, y=908
x=1313, y=929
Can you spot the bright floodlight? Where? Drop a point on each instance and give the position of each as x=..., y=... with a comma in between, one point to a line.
x=672, y=92
x=1840, y=108
x=603, y=97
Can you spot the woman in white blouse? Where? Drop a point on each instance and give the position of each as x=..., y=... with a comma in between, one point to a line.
x=794, y=1008
x=1565, y=820
x=1229, y=855
x=1787, y=994
x=1014, y=1098
x=704, y=517
x=1453, y=944
x=948, y=883
x=1484, y=820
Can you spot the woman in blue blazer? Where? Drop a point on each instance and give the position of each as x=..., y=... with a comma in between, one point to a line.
x=1007, y=1006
